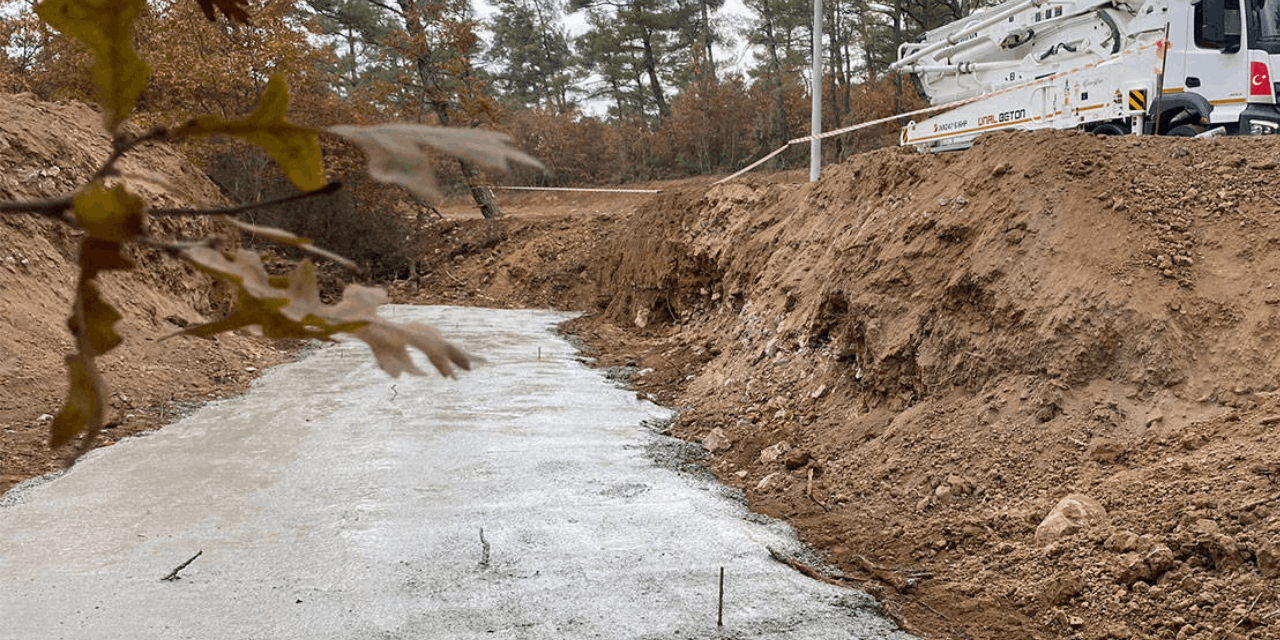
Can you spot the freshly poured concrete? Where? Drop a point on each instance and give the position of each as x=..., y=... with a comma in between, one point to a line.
x=335, y=502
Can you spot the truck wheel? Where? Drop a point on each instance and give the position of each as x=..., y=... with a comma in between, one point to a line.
x=1111, y=129
x=1186, y=130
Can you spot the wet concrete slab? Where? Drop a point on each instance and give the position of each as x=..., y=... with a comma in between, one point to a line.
x=332, y=501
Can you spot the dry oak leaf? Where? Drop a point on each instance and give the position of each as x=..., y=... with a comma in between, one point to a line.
x=291, y=308
x=390, y=341
x=397, y=152
x=281, y=307
x=84, y=404
x=92, y=322
x=296, y=149
x=284, y=237
x=114, y=215
x=106, y=27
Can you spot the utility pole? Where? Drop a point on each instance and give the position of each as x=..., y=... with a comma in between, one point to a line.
x=815, y=145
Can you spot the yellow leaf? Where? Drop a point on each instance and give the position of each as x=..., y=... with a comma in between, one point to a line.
x=114, y=215
x=102, y=255
x=84, y=406
x=106, y=27
x=280, y=307
x=291, y=308
x=296, y=149
x=98, y=334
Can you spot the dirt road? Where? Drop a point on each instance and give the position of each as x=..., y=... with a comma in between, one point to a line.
x=523, y=500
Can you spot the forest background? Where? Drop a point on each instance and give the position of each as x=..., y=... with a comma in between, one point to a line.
x=662, y=103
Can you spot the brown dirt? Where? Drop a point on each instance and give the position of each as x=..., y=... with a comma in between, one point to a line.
x=912, y=362
x=48, y=150
x=939, y=348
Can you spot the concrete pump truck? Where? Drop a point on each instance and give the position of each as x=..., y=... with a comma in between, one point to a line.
x=1171, y=67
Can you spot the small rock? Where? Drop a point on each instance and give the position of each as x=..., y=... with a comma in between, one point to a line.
x=797, y=459
x=819, y=392
x=741, y=474
x=770, y=454
x=1107, y=450
x=766, y=481
x=250, y=369
x=716, y=441
x=1269, y=560
x=44, y=417
x=1137, y=568
x=1072, y=514
x=1122, y=541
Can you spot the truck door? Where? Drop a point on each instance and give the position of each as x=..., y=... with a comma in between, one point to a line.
x=1215, y=65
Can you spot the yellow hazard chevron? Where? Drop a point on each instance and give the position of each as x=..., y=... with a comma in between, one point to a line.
x=1137, y=99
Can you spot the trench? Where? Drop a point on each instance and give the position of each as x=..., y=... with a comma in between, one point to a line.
x=525, y=499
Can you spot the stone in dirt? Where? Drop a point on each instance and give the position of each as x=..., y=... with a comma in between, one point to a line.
x=717, y=441
x=772, y=453
x=1107, y=450
x=1073, y=514
x=1269, y=559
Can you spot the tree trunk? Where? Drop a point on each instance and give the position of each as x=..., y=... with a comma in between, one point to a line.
x=471, y=175
x=709, y=71
x=651, y=68
x=775, y=68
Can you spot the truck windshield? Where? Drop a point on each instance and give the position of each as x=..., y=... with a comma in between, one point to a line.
x=1264, y=25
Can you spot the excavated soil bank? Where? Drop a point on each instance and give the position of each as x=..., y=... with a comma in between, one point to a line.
x=917, y=359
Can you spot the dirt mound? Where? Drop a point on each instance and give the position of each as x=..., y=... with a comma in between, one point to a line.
x=917, y=359
x=48, y=150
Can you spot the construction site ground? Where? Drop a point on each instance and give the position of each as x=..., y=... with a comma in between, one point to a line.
x=913, y=361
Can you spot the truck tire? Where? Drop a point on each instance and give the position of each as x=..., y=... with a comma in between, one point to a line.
x=1186, y=130
x=1111, y=129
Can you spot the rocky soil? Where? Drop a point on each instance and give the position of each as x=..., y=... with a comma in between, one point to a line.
x=915, y=361
x=918, y=359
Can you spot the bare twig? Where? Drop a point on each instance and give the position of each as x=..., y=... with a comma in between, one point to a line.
x=51, y=208
x=1246, y=613
x=804, y=568
x=121, y=146
x=720, y=611
x=173, y=575
x=809, y=492
x=1259, y=502
x=484, y=550
x=248, y=206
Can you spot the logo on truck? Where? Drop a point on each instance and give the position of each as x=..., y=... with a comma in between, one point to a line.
x=1003, y=117
x=950, y=126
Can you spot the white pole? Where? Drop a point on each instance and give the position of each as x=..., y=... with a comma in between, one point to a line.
x=815, y=146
